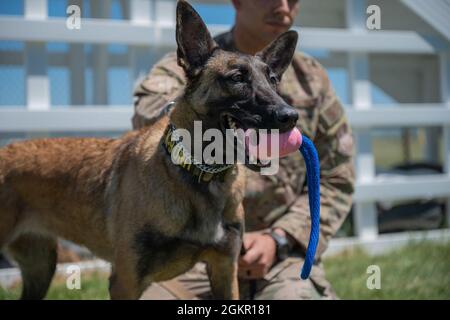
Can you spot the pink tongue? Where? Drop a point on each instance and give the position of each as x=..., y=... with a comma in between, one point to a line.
x=288, y=142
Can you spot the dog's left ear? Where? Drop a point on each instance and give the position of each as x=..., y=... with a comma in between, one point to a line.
x=278, y=55
x=195, y=44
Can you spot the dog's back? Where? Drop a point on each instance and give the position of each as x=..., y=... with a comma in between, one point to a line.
x=51, y=187
x=59, y=185
x=46, y=183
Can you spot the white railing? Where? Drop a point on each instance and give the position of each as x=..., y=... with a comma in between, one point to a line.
x=101, y=31
x=156, y=29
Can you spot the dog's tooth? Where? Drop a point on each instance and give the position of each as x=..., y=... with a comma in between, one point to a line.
x=230, y=122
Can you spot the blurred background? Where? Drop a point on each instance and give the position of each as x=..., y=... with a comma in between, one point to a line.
x=394, y=83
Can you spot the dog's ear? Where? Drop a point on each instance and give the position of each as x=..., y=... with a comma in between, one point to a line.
x=278, y=55
x=195, y=44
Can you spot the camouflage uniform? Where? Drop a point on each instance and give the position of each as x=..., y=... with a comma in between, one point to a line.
x=280, y=200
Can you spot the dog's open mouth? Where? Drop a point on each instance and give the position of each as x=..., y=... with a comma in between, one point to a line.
x=259, y=146
x=240, y=132
x=231, y=122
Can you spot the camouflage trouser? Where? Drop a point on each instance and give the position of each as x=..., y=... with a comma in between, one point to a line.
x=281, y=283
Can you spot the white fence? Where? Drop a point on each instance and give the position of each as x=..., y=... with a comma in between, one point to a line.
x=150, y=24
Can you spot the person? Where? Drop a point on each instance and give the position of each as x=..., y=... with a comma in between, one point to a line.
x=276, y=207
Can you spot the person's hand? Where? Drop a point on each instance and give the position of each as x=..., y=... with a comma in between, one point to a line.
x=259, y=257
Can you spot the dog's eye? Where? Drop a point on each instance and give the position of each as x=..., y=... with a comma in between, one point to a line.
x=237, y=77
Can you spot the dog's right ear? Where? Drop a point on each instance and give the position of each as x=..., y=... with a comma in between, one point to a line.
x=195, y=44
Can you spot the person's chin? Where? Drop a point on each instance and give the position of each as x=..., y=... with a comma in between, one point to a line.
x=276, y=29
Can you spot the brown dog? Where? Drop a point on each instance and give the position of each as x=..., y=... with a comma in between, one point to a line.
x=126, y=200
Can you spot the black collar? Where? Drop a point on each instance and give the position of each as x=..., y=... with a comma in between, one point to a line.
x=203, y=172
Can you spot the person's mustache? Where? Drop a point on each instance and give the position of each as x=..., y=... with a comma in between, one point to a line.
x=278, y=22
x=279, y=19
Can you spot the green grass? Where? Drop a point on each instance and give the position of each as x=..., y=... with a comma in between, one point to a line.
x=94, y=286
x=417, y=271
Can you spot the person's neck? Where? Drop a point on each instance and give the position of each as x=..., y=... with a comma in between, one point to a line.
x=245, y=42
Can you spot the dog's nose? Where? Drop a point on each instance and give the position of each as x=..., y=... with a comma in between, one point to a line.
x=286, y=118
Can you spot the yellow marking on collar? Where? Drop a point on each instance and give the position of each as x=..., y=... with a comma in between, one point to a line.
x=185, y=161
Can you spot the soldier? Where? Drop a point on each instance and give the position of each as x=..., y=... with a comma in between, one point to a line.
x=276, y=207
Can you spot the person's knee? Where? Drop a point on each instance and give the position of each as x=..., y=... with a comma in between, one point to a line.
x=287, y=285
x=157, y=292
x=289, y=289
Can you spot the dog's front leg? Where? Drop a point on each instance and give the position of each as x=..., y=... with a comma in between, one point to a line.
x=223, y=266
x=121, y=289
x=124, y=283
x=222, y=271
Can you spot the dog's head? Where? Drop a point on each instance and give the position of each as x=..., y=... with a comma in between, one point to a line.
x=232, y=90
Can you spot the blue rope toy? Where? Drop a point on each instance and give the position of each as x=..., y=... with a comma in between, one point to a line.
x=309, y=153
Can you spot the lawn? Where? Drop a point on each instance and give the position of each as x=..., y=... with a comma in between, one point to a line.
x=417, y=271
x=94, y=286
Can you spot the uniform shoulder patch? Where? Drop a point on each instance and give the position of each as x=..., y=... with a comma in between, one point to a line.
x=345, y=144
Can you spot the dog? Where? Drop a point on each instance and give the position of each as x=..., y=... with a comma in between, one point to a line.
x=126, y=200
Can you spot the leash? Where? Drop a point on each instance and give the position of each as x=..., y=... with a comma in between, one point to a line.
x=289, y=142
x=309, y=153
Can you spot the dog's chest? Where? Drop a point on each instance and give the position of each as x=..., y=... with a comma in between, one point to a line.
x=202, y=226
x=206, y=226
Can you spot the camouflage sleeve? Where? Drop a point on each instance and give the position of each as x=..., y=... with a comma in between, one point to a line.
x=163, y=84
x=334, y=143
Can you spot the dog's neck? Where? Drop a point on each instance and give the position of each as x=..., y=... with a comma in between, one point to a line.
x=183, y=117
